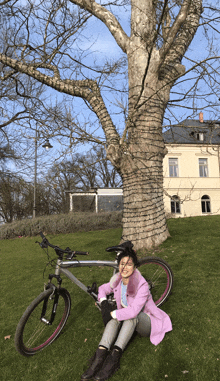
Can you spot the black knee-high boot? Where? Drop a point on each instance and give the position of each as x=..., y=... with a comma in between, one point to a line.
x=96, y=364
x=110, y=365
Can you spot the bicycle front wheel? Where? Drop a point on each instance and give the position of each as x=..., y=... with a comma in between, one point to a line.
x=35, y=331
x=159, y=277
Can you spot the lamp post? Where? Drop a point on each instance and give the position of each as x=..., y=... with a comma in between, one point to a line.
x=46, y=145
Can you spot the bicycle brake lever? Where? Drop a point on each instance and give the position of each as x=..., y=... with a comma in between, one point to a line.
x=42, y=244
x=70, y=256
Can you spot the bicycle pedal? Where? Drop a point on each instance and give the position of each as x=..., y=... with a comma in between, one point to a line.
x=93, y=289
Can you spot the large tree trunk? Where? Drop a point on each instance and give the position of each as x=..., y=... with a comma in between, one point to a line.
x=141, y=166
x=144, y=219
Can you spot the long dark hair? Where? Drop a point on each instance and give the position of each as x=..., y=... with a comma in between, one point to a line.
x=129, y=252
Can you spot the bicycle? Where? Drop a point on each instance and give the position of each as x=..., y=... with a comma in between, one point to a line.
x=45, y=318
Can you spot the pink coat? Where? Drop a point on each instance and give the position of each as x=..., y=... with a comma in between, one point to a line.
x=139, y=299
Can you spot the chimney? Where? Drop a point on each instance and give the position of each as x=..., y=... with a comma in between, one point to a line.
x=201, y=117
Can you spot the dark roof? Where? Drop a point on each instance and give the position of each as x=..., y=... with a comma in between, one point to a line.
x=193, y=132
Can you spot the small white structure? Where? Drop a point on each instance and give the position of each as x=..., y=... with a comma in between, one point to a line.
x=97, y=200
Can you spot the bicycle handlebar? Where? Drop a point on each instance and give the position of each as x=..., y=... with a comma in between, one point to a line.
x=45, y=243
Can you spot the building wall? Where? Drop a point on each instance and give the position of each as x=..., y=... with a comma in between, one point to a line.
x=189, y=186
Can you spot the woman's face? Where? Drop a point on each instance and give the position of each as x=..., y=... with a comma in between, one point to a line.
x=126, y=267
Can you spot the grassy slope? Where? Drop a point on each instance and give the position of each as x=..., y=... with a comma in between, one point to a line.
x=189, y=352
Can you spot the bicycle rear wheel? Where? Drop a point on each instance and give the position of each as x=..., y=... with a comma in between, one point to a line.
x=159, y=277
x=34, y=332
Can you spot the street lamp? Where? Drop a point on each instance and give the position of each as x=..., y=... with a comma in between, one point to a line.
x=46, y=145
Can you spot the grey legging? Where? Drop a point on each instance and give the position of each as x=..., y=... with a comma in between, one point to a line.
x=141, y=324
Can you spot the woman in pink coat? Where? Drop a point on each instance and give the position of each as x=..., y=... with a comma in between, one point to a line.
x=136, y=310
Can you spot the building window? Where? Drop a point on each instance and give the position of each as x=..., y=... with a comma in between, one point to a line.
x=205, y=203
x=203, y=167
x=175, y=204
x=200, y=136
x=173, y=167
x=197, y=135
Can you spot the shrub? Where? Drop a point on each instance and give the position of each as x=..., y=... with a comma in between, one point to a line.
x=62, y=223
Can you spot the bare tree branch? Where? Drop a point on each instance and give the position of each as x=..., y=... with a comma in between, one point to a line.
x=108, y=19
x=86, y=89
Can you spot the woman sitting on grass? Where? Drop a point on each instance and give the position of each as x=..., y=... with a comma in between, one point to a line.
x=136, y=310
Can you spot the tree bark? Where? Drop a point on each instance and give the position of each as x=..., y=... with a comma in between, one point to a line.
x=144, y=220
x=151, y=73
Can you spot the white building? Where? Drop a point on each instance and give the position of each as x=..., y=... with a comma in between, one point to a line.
x=192, y=168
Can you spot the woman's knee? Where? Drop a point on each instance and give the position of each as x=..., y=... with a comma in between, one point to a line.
x=143, y=325
x=113, y=324
x=132, y=322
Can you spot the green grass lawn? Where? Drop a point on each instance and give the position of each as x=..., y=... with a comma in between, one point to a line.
x=190, y=352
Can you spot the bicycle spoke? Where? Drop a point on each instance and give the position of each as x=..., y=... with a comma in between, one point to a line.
x=159, y=276
x=31, y=342
x=33, y=334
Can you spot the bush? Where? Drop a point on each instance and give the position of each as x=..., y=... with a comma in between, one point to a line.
x=62, y=223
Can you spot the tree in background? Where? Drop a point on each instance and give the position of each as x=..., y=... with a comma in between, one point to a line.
x=88, y=171
x=54, y=53
x=83, y=172
x=15, y=200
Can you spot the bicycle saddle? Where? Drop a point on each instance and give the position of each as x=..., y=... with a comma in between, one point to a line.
x=127, y=245
x=115, y=248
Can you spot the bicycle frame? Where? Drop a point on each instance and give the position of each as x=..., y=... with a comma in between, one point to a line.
x=62, y=266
